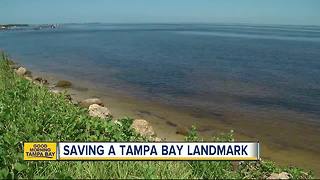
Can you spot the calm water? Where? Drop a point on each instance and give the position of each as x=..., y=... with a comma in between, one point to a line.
x=263, y=81
x=215, y=67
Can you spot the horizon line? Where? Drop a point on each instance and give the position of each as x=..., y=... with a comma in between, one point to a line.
x=226, y=23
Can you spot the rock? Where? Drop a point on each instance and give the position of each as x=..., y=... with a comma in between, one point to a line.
x=143, y=127
x=182, y=130
x=96, y=110
x=21, y=71
x=87, y=102
x=282, y=175
x=64, y=84
x=40, y=80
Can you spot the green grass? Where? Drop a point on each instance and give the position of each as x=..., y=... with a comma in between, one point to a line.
x=31, y=113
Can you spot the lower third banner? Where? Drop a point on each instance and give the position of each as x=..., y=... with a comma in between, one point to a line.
x=141, y=151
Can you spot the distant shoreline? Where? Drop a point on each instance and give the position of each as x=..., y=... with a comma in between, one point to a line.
x=6, y=27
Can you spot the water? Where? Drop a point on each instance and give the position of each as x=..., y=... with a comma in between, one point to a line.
x=213, y=67
x=261, y=80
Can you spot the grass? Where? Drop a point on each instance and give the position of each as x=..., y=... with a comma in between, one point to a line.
x=31, y=113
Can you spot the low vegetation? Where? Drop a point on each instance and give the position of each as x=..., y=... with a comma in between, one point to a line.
x=31, y=113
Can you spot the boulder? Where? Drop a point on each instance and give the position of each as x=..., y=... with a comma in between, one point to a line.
x=87, y=102
x=21, y=71
x=96, y=110
x=143, y=127
x=182, y=130
x=63, y=84
x=282, y=175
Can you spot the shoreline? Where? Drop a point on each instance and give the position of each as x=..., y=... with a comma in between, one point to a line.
x=166, y=120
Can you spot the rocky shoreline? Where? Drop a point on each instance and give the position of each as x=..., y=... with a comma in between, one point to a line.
x=95, y=106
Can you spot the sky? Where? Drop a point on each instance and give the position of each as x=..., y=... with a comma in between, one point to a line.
x=303, y=12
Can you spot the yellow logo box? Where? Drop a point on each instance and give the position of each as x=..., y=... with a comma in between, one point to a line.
x=40, y=151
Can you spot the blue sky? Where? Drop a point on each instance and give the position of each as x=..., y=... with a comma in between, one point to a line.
x=161, y=11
